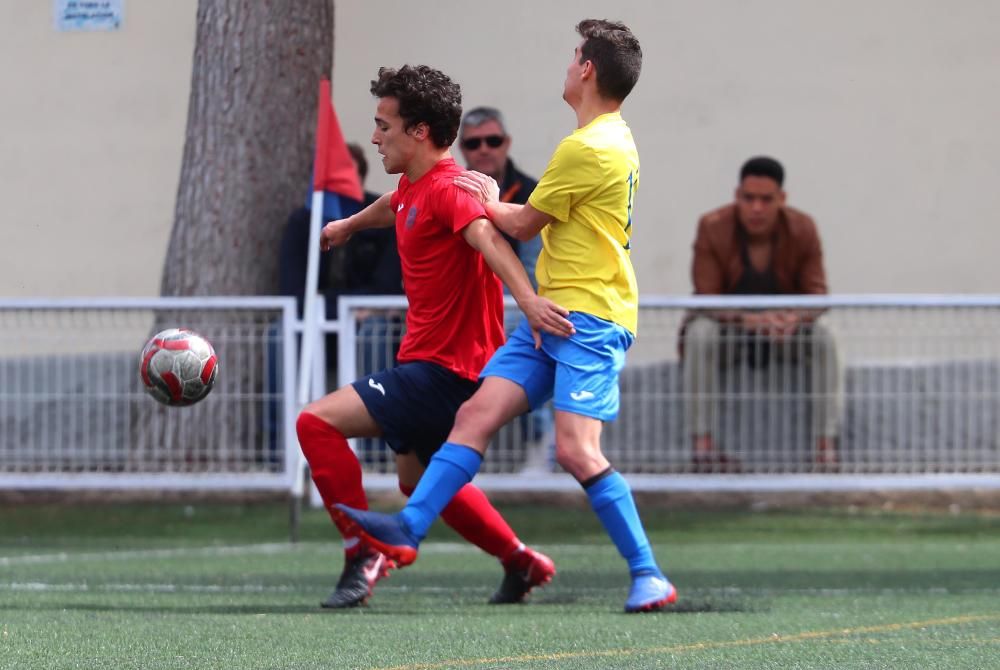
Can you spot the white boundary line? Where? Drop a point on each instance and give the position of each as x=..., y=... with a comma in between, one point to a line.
x=332, y=548
x=272, y=548
x=130, y=554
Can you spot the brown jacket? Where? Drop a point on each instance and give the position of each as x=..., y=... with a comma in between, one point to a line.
x=797, y=258
x=717, y=265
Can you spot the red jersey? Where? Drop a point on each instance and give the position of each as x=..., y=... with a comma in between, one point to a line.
x=455, y=317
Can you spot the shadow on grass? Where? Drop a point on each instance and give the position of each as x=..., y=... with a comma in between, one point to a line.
x=738, y=591
x=696, y=603
x=386, y=607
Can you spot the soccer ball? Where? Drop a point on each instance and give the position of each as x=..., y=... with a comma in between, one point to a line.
x=178, y=367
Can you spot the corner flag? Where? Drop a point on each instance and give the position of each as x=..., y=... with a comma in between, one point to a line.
x=333, y=170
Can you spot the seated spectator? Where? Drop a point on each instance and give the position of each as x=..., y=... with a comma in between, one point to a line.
x=757, y=246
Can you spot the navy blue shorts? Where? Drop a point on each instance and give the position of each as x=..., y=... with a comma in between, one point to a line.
x=415, y=405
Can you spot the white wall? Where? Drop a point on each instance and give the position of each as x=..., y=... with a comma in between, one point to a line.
x=93, y=129
x=884, y=114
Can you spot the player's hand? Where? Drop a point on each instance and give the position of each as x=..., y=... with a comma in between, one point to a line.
x=334, y=234
x=545, y=315
x=482, y=187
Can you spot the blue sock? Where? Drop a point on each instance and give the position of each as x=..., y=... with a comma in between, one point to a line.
x=611, y=499
x=451, y=468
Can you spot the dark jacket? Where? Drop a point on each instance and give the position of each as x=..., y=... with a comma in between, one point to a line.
x=516, y=188
x=367, y=264
x=371, y=262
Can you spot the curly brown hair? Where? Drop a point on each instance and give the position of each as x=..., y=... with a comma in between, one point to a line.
x=425, y=95
x=615, y=53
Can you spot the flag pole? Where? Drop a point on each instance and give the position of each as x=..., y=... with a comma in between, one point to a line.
x=310, y=326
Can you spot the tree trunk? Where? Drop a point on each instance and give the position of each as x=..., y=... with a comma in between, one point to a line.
x=248, y=155
x=249, y=142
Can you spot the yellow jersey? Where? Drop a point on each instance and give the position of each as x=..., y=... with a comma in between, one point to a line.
x=588, y=189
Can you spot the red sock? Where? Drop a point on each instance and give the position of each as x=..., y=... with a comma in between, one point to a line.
x=335, y=468
x=473, y=517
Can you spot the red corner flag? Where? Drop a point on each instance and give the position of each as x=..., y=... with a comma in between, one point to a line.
x=334, y=169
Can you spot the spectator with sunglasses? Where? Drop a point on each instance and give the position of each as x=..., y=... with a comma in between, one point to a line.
x=485, y=145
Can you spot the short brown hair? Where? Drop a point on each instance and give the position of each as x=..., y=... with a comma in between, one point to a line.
x=615, y=53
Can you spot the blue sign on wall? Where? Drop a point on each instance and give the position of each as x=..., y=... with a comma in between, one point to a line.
x=88, y=14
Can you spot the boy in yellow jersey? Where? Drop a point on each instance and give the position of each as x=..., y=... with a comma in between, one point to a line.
x=583, y=208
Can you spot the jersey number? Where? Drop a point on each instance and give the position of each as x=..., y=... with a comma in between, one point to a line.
x=628, y=225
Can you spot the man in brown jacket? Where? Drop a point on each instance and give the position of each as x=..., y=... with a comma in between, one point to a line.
x=757, y=246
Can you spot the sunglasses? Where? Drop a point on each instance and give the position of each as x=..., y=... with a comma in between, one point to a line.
x=492, y=141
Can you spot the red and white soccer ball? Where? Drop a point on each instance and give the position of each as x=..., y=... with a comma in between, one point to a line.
x=178, y=367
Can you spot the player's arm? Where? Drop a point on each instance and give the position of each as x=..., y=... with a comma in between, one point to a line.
x=379, y=214
x=542, y=313
x=522, y=222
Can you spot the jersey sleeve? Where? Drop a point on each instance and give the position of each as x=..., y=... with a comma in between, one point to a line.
x=456, y=208
x=571, y=175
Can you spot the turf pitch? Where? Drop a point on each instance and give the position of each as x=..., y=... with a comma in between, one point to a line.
x=217, y=586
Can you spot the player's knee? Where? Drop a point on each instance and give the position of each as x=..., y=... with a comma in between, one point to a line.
x=310, y=430
x=313, y=409
x=577, y=456
x=304, y=424
x=562, y=457
x=328, y=409
x=566, y=455
x=473, y=416
x=310, y=427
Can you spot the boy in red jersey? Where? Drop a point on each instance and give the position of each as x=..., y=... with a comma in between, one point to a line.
x=451, y=257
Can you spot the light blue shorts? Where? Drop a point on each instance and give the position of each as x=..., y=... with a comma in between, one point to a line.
x=579, y=373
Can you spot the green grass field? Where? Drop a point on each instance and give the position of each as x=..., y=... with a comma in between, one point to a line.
x=142, y=586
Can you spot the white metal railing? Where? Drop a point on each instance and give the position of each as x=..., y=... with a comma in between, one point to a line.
x=920, y=404
x=73, y=414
